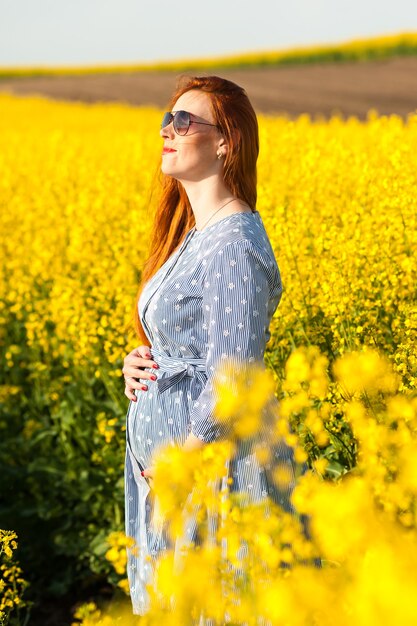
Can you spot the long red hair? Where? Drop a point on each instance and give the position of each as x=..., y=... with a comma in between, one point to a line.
x=174, y=217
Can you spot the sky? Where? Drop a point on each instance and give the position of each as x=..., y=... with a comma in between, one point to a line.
x=86, y=32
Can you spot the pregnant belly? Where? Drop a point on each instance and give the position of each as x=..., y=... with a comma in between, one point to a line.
x=159, y=419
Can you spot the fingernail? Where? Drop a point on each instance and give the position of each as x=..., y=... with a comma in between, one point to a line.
x=142, y=473
x=144, y=388
x=153, y=377
x=155, y=366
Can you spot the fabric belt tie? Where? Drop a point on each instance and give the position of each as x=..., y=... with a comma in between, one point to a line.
x=178, y=367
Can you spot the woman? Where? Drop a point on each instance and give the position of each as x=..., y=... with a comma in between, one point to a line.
x=209, y=290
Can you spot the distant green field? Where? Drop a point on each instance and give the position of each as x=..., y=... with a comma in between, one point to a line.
x=382, y=47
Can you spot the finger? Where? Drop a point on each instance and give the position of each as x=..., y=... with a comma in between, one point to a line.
x=133, y=372
x=138, y=358
x=130, y=395
x=137, y=372
x=133, y=383
x=135, y=361
x=142, y=352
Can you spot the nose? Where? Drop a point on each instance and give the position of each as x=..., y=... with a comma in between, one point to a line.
x=167, y=131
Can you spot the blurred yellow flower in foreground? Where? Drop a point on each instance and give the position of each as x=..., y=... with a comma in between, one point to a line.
x=242, y=395
x=366, y=371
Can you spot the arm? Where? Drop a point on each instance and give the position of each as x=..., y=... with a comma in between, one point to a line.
x=242, y=289
x=192, y=443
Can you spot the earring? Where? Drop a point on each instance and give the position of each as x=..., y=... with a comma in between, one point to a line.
x=219, y=155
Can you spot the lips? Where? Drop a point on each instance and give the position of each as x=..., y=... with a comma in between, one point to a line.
x=167, y=150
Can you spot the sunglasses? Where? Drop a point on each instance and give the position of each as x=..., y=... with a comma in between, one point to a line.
x=181, y=121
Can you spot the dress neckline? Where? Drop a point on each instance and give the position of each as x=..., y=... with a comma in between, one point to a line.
x=227, y=217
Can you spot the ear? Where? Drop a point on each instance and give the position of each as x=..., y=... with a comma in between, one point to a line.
x=226, y=144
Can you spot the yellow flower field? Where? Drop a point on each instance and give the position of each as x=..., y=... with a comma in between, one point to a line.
x=358, y=49
x=338, y=198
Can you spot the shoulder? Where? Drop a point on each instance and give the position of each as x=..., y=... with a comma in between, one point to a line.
x=243, y=235
x=241, y=246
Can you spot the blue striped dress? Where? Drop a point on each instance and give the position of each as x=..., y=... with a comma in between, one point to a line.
x=213, y=299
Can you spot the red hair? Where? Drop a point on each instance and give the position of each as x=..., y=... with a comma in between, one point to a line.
x=174, y=217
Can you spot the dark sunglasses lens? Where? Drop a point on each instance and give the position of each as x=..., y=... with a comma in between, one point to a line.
x=181, y=122
x=166, y=119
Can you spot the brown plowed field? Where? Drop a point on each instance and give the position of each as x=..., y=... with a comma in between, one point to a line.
x=349, y=88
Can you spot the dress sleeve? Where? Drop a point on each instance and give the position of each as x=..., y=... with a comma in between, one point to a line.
x=241, y=291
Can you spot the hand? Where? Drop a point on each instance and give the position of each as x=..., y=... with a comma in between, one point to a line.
x=148, y=473
x=192, y=443
x=133, y=370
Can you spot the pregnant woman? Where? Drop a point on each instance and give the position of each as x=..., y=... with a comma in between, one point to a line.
x=208, y=292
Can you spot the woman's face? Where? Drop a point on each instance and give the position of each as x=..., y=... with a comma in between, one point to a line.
x=195, y=156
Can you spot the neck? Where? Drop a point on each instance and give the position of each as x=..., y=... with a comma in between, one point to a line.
x=206, y=196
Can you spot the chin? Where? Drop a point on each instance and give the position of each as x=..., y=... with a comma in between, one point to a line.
x=166, y=169
x=169, y=171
